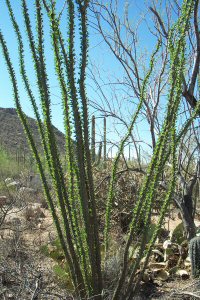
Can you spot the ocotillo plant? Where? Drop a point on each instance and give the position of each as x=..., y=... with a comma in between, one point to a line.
x=166, y=145
x=78, y=229
x=76, y=218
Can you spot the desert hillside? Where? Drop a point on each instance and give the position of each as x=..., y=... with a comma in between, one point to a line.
x=12, y=135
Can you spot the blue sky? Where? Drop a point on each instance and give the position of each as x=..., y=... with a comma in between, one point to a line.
x=99, y=54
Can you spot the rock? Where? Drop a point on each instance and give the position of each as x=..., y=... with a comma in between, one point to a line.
x=14, y=184
x=188, y=259
x=167, y=244
x=161, y=274
x=187, y=263
x=183, y=274
x=8, y=180
x=157, y=266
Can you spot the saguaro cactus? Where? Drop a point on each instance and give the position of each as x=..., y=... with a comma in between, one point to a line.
x=194, y=252
x=104, y=141
x=93, y=139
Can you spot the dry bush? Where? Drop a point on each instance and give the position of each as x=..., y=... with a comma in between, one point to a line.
x=33, y=214
x=126, y=192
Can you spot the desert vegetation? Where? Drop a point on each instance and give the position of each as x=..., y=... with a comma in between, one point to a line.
x=78, y=223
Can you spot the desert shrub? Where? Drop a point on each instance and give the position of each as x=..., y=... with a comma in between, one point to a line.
x=8, y=165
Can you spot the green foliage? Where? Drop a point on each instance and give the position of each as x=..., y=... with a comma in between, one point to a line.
x=62, y=274
x=44, y=249
x=61, y=269
x=54, y=250
x=178, y=234
x=9, y=167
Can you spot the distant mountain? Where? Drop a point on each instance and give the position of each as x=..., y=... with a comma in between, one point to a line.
x=12, y=135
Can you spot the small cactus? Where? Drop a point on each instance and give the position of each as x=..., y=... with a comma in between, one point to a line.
x=194, y=251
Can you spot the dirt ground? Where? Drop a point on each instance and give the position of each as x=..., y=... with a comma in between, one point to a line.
x=26, y=273
x=24, y=269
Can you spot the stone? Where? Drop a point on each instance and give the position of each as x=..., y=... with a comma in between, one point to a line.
x=14, y=184
x=8, y=180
